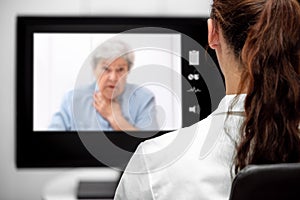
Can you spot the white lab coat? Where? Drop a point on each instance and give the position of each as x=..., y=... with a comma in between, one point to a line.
x=191, y=163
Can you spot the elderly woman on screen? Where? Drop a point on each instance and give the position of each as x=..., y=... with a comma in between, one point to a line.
x=110, y=103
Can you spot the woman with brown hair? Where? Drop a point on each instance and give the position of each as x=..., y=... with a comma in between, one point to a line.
x=257, y=43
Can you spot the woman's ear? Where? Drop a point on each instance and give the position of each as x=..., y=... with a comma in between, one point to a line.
x=213, y=34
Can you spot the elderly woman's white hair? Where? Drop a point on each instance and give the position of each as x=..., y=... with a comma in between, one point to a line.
x=111, y=50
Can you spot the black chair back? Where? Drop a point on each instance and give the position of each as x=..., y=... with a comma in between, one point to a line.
x=264, y=182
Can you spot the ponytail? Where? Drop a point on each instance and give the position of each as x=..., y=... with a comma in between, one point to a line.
x=271, y=56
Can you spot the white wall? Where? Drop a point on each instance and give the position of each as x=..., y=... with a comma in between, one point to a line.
x=26, y=184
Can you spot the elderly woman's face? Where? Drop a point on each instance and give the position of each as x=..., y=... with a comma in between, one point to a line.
x=111, y=77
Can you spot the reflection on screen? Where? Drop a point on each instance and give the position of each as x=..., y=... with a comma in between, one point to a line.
x=149, y=98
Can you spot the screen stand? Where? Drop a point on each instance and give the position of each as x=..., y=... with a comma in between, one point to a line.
x=87, y=183
x=96, y=189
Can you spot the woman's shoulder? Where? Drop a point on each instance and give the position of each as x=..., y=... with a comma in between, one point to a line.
x=166, y=149
x=180, y=139
x=138, y=91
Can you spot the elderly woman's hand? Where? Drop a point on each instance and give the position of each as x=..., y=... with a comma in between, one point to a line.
x=111, y=111
x=108, y=109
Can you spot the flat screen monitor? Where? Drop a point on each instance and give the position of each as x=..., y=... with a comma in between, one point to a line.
x=90, y=89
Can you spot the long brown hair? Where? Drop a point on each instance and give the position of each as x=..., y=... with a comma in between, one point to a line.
x=265, y=37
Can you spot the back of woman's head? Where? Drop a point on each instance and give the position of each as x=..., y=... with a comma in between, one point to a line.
x=265, y=37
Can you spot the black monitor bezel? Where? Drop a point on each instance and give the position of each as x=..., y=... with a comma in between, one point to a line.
x=54, y=149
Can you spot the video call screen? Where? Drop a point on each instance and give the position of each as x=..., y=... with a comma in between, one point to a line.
x=131, y=78
x=63, y=66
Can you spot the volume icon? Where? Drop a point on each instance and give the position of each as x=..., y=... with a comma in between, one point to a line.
x=195, y=109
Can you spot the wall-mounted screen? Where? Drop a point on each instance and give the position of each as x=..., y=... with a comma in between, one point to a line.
x=84, y=82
